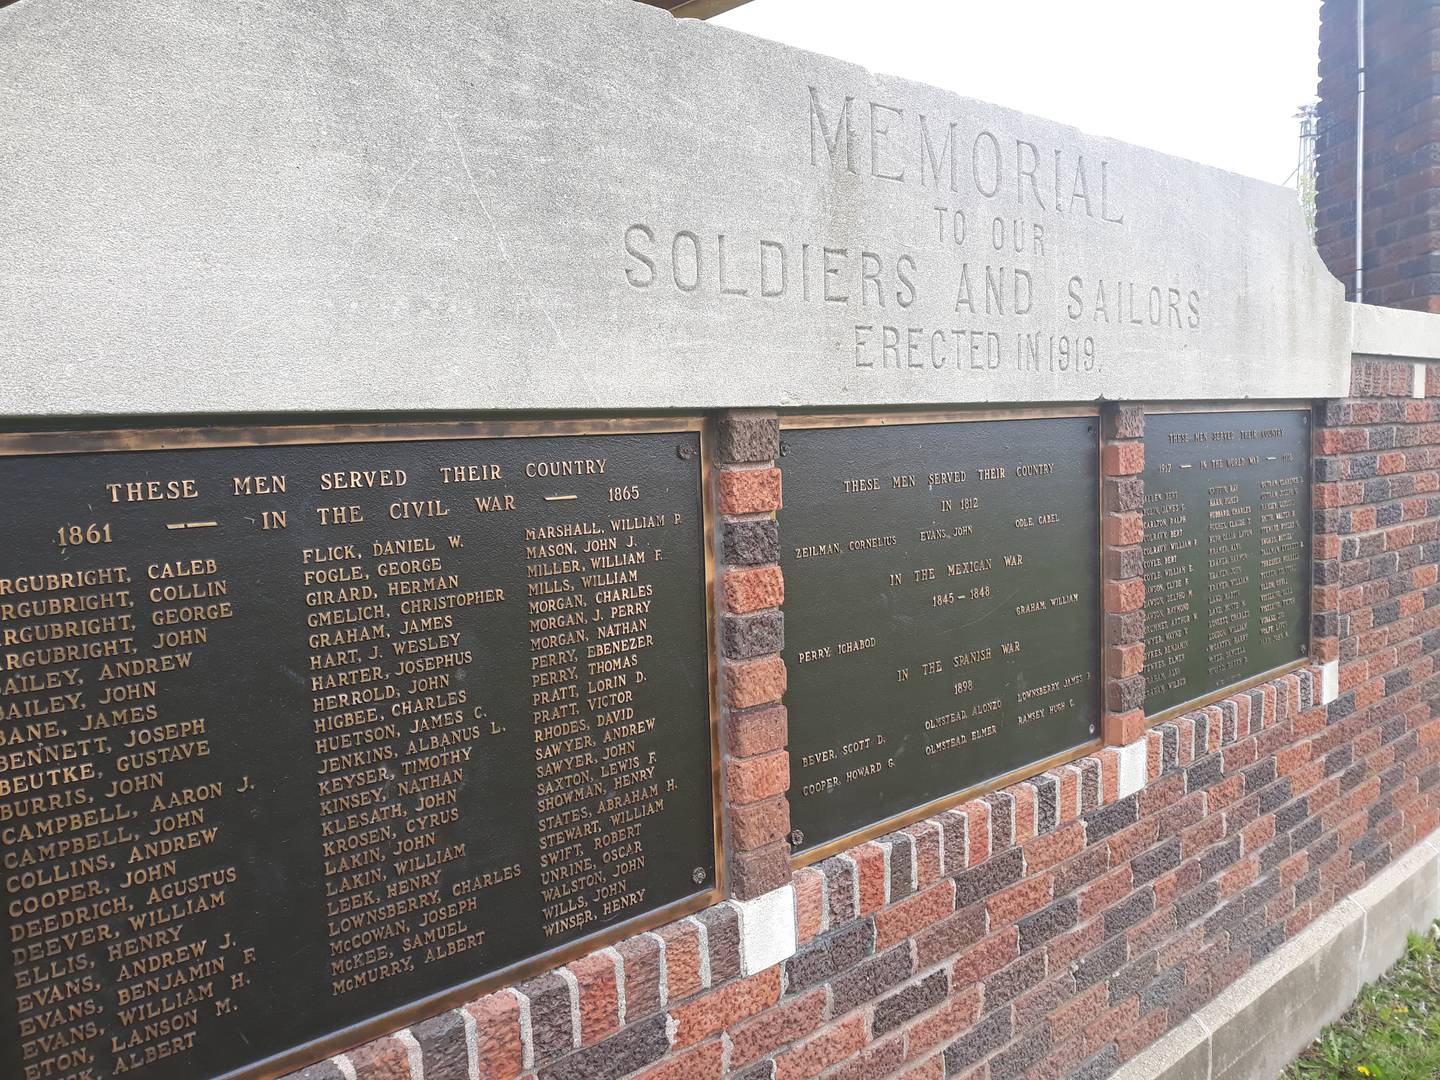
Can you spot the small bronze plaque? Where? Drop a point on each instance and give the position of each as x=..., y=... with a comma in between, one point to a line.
x=297, y=736
x=1227, y=551
x=942, y=606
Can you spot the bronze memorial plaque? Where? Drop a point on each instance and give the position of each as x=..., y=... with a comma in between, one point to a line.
x=942, y=608
x=1227, y=551
x=299, y=735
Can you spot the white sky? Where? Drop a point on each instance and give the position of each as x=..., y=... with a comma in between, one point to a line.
x=1217, y=81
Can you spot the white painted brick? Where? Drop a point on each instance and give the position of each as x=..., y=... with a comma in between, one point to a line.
x=767, y=929
x=1132, y=768
x=1329, y=682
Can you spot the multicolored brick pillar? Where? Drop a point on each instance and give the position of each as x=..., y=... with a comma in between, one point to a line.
x=751, y=633
x=1122, y=463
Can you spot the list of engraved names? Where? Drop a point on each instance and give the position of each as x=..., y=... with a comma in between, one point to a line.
x=941, y=587
x=297, y=735
x=1227, y=516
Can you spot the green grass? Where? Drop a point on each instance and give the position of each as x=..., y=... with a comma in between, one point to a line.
x=1392, y=1032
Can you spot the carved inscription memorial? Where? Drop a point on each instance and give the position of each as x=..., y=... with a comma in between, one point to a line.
x=942, y=597
x=295, y=736
x=1227, y=550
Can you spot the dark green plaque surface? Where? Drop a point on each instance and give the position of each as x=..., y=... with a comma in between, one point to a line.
x=297, y=736
x=1227, y=550
x=942, y=601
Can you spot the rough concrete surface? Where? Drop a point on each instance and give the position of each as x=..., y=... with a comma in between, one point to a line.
x=588, y=204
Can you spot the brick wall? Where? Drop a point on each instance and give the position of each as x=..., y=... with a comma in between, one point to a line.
x=1402, y=149
x=751, y=635
x=1057, y=927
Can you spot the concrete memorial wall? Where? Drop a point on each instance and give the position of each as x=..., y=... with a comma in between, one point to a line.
x=555, y=541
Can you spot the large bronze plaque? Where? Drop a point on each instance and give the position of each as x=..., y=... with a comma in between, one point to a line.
x=942, y=606
x=1227, y=551
x=296, y=736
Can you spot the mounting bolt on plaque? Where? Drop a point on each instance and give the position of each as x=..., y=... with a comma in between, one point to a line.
x=697, y=875
x=784, y=448
x=796, y=838
x=685, y=452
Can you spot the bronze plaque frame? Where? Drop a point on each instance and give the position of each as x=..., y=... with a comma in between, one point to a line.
x=790, y=421
x=1250, y=681
x=86, y=440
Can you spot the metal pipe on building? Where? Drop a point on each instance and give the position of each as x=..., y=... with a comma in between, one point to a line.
x=1360, y=151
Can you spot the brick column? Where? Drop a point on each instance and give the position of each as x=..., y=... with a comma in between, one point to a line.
x=751, y=632
x=1122, y=461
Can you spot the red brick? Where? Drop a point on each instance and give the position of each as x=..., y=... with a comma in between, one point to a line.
x=1122, y=661
x=870, y=865
x=1242, y=754
x=943, y=1023
x=499, y=1049
x=1186, y=726
x=703, y=1063
x=1013, y=904
x=1121, y=729
x=1291, y=758
x=819, y=1052
x=701, y=1017
x=1127, y=595
x=1180, y=949
x=913, y=914
x=1122, y=458
x=748, y=491
x=809, y=903
x=1076, y=1014
x=878, y=1060
x=1128, y=843
x=1227, y=791
x=1045, y=851
x=754, y=682
x=1023, y=818
x=1069, y=793
x=746, y=589
x=986, y=958
x=384, y=1059
x=1162, y=793
x=1204, y=833
x=1106, y=1028
x=599, y=996
x=1139, y=1034
x=1123, y=529
x=1062, y=1059
x=926, y=838
x=1077, y=943
x=751, y=779
x=948, y=936
x=1110, y=888
x=930, y=1069
x=977, y=815
x=757, y=731
x=1151, y=933
x=682, y=959
x=775, y=1027
x=1109, y=760
x=1258, y=833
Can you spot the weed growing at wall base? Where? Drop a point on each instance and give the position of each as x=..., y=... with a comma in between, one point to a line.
x=1392, y=1032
